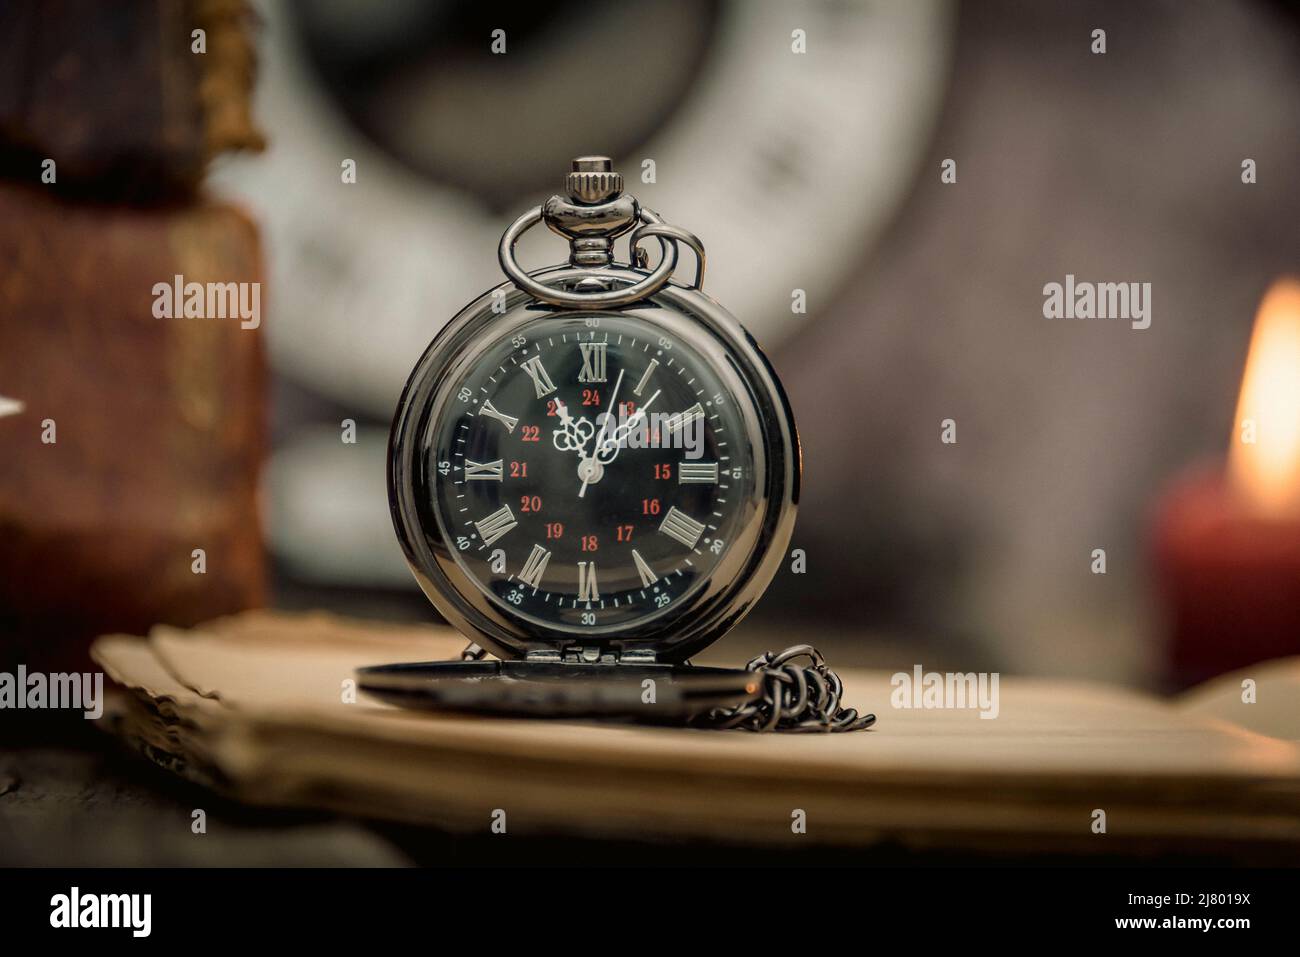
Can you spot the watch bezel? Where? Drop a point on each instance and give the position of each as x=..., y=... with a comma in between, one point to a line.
x=700, y=617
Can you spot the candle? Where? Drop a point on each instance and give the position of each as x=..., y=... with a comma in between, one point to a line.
x=1227, y=541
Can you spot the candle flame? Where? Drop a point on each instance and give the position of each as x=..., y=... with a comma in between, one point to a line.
x=1264, y=462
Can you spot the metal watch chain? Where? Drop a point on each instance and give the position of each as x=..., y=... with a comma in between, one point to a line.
x=800, y=694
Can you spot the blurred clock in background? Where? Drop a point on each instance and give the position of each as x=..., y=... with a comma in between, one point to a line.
x=787, y=165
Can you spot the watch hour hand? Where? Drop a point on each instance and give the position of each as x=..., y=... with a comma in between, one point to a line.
x=572, y=435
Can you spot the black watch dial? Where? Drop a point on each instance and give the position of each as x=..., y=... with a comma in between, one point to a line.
x=592, y=471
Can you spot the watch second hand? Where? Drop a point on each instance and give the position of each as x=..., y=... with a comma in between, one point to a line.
x=600, y=436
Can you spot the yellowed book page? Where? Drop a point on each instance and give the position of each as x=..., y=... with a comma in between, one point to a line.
x=1033, y=776
x=1263, y=698
x=1043, y=729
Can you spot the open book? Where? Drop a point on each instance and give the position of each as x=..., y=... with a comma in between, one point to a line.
x=263, y=707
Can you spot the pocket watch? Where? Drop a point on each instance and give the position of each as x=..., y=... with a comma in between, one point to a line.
x=593, y=472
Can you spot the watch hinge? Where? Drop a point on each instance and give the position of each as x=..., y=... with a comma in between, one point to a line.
x=593, y=655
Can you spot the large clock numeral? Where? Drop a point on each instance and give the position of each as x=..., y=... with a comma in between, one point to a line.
x=680, y=526
x=648, y=576
x=593, y=362
x=587, y=588
x=483, y=471
x=496, y=525
x=542, y=383
x=535, y=567
x=645, y=376
x=703, y=472
x=509, y=421
x=674, y=423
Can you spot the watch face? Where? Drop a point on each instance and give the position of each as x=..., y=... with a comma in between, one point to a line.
x=593, y=484
x=592, y=470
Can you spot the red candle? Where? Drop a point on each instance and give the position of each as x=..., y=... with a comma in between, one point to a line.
x=1227, y=542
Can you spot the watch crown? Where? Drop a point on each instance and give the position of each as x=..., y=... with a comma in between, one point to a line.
x=593, y=180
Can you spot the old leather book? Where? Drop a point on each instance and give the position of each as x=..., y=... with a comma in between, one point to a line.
x=260, y=706
x=117, y=95
x=158, y=425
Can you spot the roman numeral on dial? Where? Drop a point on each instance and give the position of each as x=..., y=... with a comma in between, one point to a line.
x=704, y=472
x=496, y=525
x=587, y=588
x=535, y=567
x=648, y=576
x=509, y=421
x=537, y=372
x=645, y=377
x=593, y=362
x=484, y=471
x=682, y=527
x=675, y=422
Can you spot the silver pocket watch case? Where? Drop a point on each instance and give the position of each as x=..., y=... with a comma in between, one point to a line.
x=593, y=660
